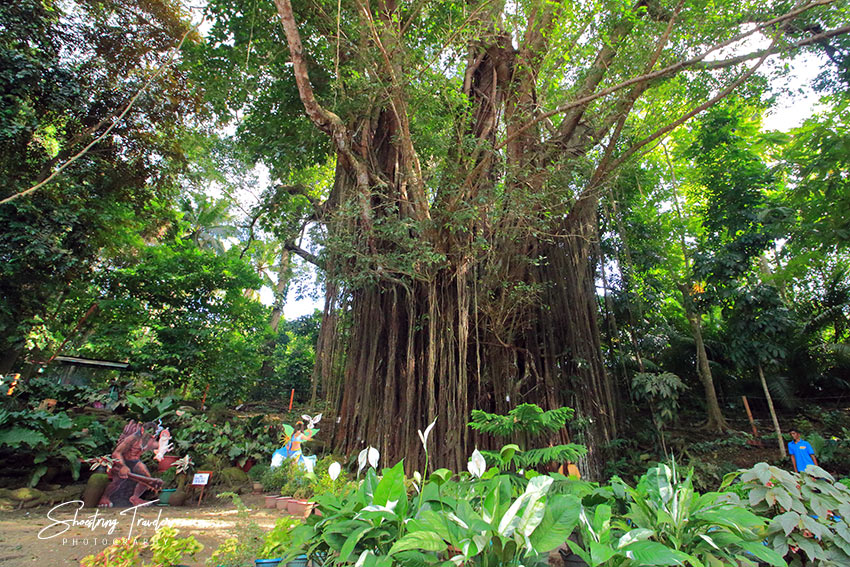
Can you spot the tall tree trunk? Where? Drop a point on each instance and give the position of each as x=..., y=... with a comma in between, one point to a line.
x=716, y=421
x=773, y=417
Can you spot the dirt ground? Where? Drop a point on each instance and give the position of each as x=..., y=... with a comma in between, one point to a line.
x=31, y=537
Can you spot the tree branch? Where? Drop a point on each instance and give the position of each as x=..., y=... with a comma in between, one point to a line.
x=312, y=258
x=675, y=68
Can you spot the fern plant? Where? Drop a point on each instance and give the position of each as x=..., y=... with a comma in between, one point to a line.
x=524, y=425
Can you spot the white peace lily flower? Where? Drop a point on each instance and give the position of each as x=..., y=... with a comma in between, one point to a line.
x=361, y=460
x=373, y=456
x=458, y=559
x=477, y=465
x=424, y=436
x=334, y=470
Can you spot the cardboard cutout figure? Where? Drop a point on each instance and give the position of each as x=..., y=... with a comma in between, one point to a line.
x=292, y=448
x=130, y=477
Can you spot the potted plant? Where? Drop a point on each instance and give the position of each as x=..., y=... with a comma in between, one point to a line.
x=256, y=474
x=168, y=477
x=166, y=462
x=300, y=504
x=181, y=468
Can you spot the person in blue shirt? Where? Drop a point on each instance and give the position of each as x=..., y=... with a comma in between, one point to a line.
x=802, y=454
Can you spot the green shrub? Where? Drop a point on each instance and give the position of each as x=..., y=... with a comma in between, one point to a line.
x=275, y=479
x=257, y=471
x=805, y=509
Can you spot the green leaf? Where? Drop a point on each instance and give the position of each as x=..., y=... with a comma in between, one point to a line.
x=600, y=553
x=37, y=473
x=763, y=553
x=391, y=486
x=428, y=541
x=18, y=435
x=558, y=523
x=351, y=541
x=788, y=521
x=440, y=476
x=507, y=452
x=654, y=553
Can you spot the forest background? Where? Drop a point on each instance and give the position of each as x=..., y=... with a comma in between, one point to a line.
x=501, y=202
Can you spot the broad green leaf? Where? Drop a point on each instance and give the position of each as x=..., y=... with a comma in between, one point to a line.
x=351, y=541
x=600, y=553
x=654, y=553
x=632, y=536
x=17, y=436
x=428, y=541
x=558, y=523
x=788, y=521
x=763, y=553
x=391, y=486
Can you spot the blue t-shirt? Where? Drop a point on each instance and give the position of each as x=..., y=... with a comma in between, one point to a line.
x=802, y=452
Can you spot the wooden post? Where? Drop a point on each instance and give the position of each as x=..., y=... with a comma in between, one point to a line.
x=750, y=416
x=291, y=397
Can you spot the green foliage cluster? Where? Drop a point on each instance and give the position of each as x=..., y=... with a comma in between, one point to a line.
x=808, y=512
x=164, y=548
x=525, y=424
x=490, y=521
x=662, y=391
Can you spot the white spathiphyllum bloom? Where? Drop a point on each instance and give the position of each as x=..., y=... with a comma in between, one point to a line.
x=477, y=465
x=361, y=460
x=424, y=436
x=334, y=470
x=373, y=456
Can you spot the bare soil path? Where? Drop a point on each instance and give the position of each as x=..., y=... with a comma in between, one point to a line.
x=31, y=537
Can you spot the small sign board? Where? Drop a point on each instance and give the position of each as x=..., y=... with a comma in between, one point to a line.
x=201, y=478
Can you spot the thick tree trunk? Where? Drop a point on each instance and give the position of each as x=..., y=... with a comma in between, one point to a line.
x=412, y=345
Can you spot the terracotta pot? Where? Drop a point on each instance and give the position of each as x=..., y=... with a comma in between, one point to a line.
x=282, y=502
x=166, y=462
x=258, y=487
x=270, y=501
x=299, y=507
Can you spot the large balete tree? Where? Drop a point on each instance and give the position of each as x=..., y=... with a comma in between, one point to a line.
x=472, y=141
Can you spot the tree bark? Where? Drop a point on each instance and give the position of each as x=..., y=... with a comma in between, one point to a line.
x=773, y=417
x=716, y=421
